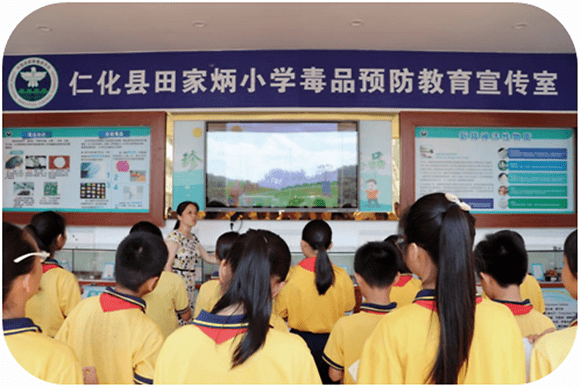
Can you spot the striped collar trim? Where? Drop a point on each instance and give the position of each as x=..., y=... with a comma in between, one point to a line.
x=14, y=326
x=211, y=320
x=426, y=299
x=376, y=308
x=220, y=328
x=112, y=300
x=518, y=308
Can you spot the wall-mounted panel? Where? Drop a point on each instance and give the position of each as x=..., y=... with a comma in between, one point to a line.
x=515, y=170
x=96, y=169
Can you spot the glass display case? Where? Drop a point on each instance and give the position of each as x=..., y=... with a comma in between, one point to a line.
x=92, y=264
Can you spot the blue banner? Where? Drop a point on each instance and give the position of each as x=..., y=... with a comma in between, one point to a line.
x=281, y=79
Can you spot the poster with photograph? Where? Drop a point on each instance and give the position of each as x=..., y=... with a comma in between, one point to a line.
x=499, y=170
x=76, y=169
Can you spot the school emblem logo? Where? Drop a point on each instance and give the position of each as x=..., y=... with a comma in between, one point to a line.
x=33, y=83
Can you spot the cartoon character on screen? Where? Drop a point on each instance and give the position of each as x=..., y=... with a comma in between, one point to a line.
x=372, y=193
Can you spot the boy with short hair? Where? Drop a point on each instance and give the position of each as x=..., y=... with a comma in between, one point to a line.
x=111, y=332
x=169, y=298
x=502, y=263
x=376, y=269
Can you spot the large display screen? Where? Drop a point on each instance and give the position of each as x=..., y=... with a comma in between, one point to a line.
x=282, y=165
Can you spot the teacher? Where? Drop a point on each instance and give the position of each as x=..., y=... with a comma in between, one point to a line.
x=185, y=249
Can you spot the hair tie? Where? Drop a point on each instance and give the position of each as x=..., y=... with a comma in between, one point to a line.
x=454, y=199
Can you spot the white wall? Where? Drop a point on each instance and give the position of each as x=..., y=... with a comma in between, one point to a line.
x=347, y=235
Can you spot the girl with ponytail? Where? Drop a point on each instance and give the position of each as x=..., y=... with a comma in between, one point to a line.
x=317, y=293
x=41, y=356
x=234, y=344
x=449, y=335
x=59, y=289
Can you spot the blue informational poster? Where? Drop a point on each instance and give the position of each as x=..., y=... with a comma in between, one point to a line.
x=76, y=169
x=499, y=170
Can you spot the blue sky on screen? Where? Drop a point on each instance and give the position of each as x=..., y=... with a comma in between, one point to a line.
x=250, y=155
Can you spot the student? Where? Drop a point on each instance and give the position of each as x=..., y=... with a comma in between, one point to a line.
x=234, y=343
x=551, y=349
x=502, y=263
x=406, y=288
x=448, y=335
x=214, y=289
x=111, y=331
x=317, y=293
x=211, y=291
x=40, y=355
x=59, y=289
x=530, y=289
x=169, y=298
x=375, y=271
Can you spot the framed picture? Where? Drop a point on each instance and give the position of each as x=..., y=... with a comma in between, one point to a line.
x=538, y=271
x=108, y=271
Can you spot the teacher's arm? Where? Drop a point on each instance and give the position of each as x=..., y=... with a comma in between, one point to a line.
x=209, y=258
x=172, y=247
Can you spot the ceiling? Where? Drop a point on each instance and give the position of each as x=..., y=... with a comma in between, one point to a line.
x=147, y=27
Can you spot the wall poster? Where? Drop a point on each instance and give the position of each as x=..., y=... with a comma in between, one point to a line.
x=499, y=170
x=76, y=169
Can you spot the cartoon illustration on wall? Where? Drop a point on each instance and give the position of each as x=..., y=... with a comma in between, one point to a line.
x=372, y=193
x=191, y=160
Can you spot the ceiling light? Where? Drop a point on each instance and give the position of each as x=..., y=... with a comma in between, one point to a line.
x=199, y=24
x=44, y=28
x=356, y=23
x=520, y=26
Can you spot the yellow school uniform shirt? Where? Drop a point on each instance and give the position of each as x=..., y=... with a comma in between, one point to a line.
x=59, y=293
x=403, y=346
x=530, y=321
x=305, y=309
x=166, y=301
x=42, y=356
x=201, y=353
x=530, y=289
x=209, y=294
x=551, y=350
x=349, y=334
x=404, y=291
x=112, y=333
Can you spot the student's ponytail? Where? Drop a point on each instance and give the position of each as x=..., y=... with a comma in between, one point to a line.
x=438, y=224
x=318, y=234
x=260, y=256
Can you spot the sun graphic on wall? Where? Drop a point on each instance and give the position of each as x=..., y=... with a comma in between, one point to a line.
x=197, y=132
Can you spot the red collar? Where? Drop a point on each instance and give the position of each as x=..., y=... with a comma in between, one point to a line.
x=518, y=308
x=112, y=301
x=49, y=264
x=48, y=267
x=403, y=280
x=308, y=264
